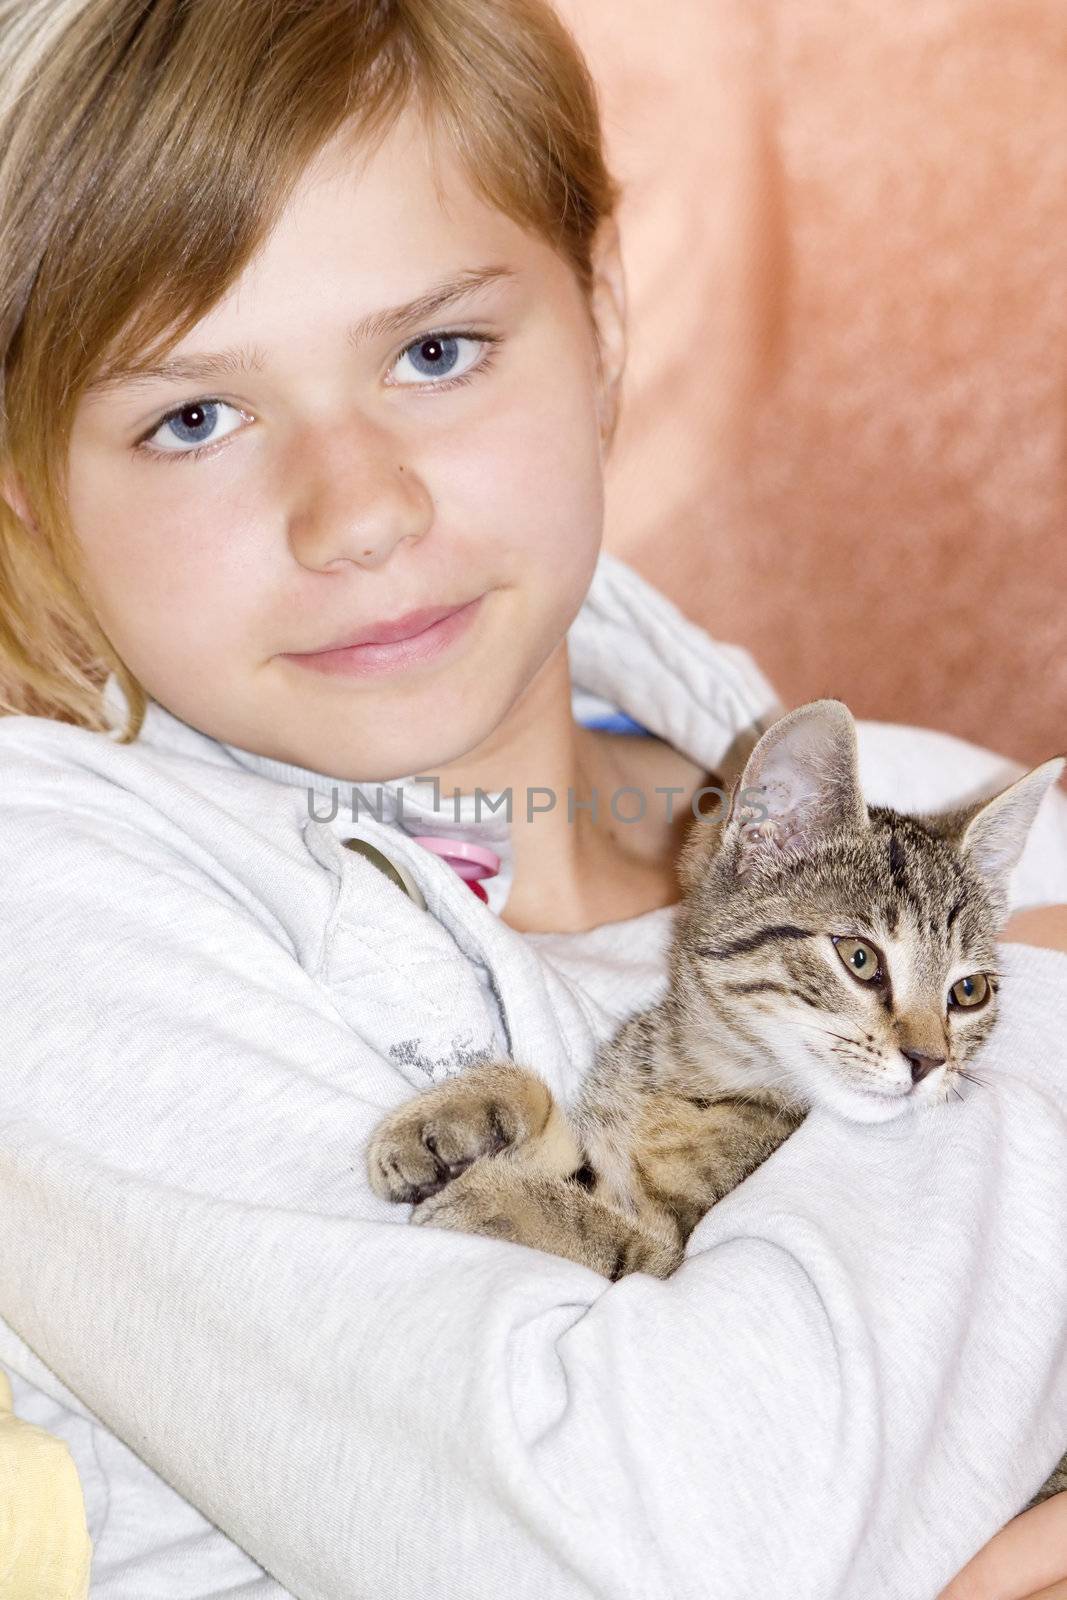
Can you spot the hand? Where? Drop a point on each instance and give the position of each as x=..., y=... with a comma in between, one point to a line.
x=1026, y=1560
x=1041, y=925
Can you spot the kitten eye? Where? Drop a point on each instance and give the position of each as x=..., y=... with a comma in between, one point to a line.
x=861, y=958
x=970, y=991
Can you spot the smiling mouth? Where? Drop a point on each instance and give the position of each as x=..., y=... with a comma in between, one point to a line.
x=408, y=646
x=408, y=626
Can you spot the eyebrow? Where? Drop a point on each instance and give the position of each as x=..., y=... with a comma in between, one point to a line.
x=376, y=325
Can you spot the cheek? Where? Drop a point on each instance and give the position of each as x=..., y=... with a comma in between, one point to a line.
x=815, y=973
x=968, y=1034
x=165, y=566
x=529, y=478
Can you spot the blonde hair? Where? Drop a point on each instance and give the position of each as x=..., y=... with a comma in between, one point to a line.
x=146, y=149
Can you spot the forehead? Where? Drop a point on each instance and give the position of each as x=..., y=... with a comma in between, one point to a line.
x=407, y=180
x=374, y=237
x=899, y=879
x=375, y=224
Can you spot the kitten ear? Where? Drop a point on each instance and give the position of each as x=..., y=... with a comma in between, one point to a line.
x=800, y=784
x=993, y=832
x=703, y=838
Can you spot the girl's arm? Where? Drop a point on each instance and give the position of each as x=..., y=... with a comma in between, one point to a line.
x=852, y=1381
x=1027, y=1560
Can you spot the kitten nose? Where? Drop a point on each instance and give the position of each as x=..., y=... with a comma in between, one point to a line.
x=922, y=1064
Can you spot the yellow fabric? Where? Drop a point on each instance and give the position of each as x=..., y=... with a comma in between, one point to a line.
x=45, y=1549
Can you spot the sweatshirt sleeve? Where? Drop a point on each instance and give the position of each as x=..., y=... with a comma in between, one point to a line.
x=853, y=1380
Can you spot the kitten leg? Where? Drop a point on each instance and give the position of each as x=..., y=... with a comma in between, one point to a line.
x=504, y=1200
x=432, y=1138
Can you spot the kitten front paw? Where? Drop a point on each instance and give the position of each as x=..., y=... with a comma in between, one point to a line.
x=431, y=1139
x=503, y=1201
x=477, y=1203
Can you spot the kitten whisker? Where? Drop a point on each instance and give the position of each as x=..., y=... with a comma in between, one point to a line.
x=828, y=1032
x=973, y=1077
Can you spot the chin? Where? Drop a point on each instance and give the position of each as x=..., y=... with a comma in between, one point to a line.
x=856, y=1105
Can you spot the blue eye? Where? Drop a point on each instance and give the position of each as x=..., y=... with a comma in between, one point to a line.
x=194, y=424
x=434, y=356
x=438, y=355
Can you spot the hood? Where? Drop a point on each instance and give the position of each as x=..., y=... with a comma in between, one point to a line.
x=631, y=651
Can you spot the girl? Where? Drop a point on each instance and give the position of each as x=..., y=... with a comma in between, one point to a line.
x=312, y=326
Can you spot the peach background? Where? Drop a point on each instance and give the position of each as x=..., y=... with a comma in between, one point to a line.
x=845, y=421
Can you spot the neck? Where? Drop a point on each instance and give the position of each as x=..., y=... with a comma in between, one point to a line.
x=572, y=869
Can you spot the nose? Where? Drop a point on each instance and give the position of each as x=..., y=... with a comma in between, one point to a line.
x=921, y=1064
x=357, y=502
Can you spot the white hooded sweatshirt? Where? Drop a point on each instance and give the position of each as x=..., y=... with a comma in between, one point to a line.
x=272, y=1385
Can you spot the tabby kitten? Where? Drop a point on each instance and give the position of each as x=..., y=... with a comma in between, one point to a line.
x=825, y=952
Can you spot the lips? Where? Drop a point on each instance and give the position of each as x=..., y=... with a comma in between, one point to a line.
x=405, y=627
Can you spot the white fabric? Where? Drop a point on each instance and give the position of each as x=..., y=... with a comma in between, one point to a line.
x=854, y=1379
